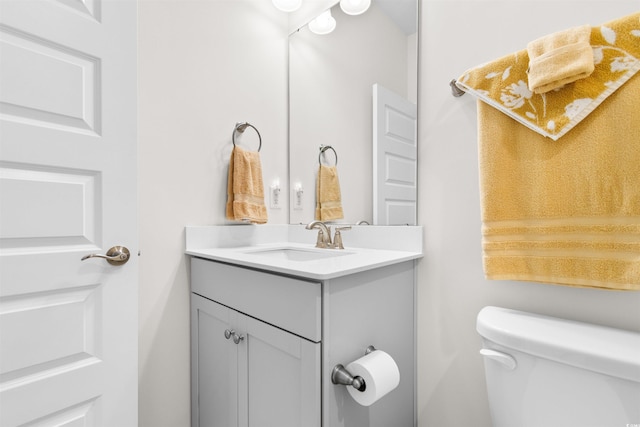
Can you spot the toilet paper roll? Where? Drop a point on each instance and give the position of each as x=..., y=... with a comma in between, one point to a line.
x=380, y=373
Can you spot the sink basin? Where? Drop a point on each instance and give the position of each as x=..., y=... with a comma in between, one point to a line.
x=296, y=254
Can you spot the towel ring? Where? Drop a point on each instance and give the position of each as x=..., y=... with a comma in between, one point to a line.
x=241, y=127
x=324, y=148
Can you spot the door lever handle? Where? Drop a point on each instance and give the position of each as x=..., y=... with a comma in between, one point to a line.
x=117, y=255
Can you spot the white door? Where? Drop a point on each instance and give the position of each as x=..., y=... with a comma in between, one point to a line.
x=395, y=158
x=68, y=328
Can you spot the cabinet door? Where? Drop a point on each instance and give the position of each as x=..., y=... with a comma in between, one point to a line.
x=278, y=377
x=214, y=365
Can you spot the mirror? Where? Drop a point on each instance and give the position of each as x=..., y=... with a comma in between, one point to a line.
x=331, y=103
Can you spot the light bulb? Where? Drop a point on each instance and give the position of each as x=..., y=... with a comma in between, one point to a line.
x=323, y=24
x=287, y=5
x=354, y=7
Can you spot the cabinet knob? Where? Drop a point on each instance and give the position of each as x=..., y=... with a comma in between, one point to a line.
x=237, y=338
x=230, y=333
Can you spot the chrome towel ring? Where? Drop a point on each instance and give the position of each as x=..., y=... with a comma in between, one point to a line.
x=324, y=148
x=241, y=127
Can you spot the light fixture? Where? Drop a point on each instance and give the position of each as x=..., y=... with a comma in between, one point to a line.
x=323, y=24
x=354, y=7
x=287, y=5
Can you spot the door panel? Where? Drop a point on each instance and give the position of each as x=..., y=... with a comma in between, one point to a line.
x=51, y=330
x=47, y=84
x=68, y=342
x=48, y=207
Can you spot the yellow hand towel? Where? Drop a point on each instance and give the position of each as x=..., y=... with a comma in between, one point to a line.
x=560, y=58
x=563, y=211
x=328, y=200
x=245, y=189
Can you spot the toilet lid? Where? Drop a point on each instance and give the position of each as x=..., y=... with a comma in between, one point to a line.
x=598, y=348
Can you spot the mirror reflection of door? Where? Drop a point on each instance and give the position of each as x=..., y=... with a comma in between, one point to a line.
x=330, y=98
x=395, y=158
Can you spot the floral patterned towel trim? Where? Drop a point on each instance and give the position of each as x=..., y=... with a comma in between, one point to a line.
x=503, y=83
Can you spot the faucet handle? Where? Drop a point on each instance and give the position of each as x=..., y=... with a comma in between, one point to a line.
x=337, y=239
x=321, y=242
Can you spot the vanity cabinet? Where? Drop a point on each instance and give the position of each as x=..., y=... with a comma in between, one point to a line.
x=245, y=371
x=285, y=334
x=259, y=376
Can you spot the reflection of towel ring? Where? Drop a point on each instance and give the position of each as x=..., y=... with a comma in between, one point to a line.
x=324, y=148
x=240, y=127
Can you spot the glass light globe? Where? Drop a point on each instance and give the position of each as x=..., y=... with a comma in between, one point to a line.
x=323, y=24
x=287, y=5
x=354, y=7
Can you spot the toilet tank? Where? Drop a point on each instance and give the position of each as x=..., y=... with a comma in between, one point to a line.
x=547, y=372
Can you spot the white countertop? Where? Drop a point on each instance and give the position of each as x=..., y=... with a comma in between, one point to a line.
x=241, y=246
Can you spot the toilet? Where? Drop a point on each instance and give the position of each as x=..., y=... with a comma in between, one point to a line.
x=548, y=372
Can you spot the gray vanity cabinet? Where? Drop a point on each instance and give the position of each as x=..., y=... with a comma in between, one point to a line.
x=285, y=334
x=245, y=371
x=214, y=398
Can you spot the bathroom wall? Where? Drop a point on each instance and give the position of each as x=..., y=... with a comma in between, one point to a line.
x=204, y=65
x=202, y=70
x=457, y=35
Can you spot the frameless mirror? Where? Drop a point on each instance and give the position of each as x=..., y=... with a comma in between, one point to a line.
x=355, y=89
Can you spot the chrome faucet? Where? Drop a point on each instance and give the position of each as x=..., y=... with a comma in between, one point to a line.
x=324, y=234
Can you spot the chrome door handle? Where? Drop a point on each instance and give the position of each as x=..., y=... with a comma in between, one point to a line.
x=228, y=333
x=117, y=255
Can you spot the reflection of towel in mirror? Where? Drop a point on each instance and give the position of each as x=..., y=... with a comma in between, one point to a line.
x=245, y=190
x=328, y=201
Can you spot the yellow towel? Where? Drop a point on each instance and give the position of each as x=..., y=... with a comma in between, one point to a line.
x=566, y=211
x=560, y=58
x=503, y=83
x=328, y=200
x=245, y=190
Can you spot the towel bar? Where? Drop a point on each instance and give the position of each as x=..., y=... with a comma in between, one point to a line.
x=455, y=90
x=241, y=127
x=324, y=148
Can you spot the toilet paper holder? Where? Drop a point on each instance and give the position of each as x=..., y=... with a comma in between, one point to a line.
x=340, y=375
